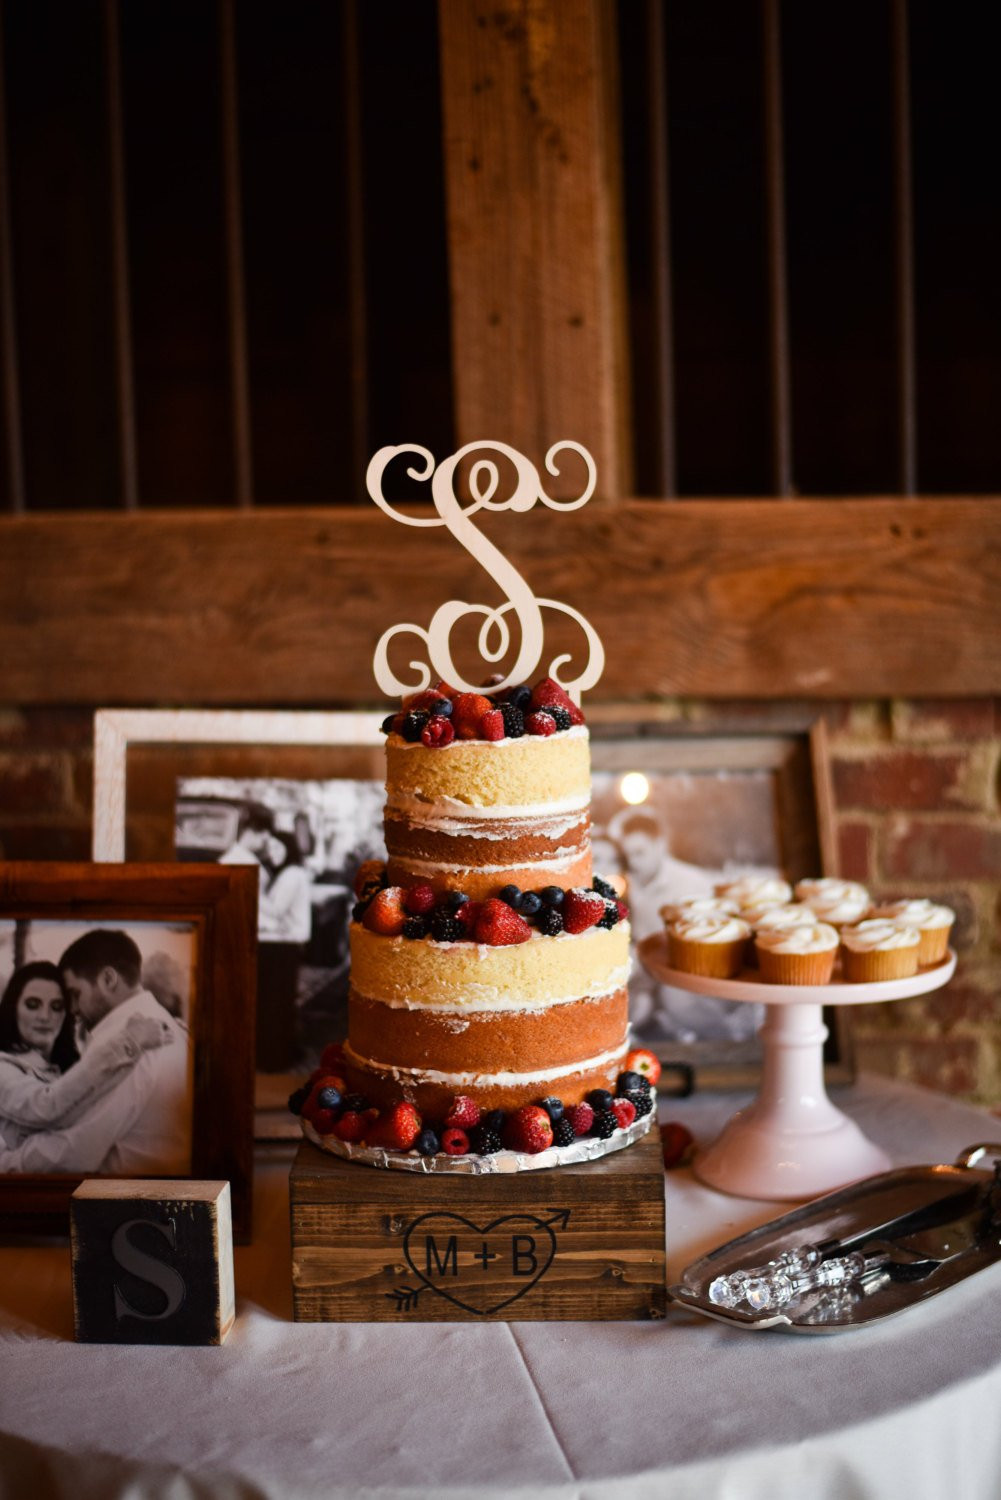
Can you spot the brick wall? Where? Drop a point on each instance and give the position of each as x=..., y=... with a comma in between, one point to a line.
x=917, y=792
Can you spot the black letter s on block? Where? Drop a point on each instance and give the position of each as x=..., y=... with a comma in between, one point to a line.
x=147, y=1268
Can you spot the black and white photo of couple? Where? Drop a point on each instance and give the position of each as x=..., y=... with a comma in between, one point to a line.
x=95, y=1055
x=307, y=839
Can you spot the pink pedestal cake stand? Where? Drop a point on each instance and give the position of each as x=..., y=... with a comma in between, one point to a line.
x=790, y=1142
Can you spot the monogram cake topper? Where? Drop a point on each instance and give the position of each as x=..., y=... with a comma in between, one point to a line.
x=494, y=640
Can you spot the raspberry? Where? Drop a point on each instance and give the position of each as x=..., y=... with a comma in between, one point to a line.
x=467, y=712
x=454, y=1142
x=419, y=900
x=540, y=723
x=624, y=1111
x=445, y=928
x=500, y=926
x=563, y=1133
x=549, y=921
x=611, y=917
x=581, y=1117
x=437, y=731
x=528, y=1129
x=323, y=1121
x=492, y=725
x=559, y=715
x=464, y=1112
x=514, y=721
x=384, y=913
x=350, y=1127
x=371, y=872
x=413, y=725
x=485, y=1142
x=642, y=1061
x=676, y=1142
x=604, y=889
x=397, y=1129
x=549, y=691
x=415, y=927
x=605, y=1124
x=623, y=911
x=581, y=909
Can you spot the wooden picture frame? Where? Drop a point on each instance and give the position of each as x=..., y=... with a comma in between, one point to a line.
x=219, y=904
x=141, y=754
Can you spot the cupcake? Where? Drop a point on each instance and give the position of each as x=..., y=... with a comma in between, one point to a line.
x=713, y=946
x=879, y=949
x=782, y=918
x=697, y=906
x=797, y=955
x=841, y=903
x=755, y=890
x=934, y=924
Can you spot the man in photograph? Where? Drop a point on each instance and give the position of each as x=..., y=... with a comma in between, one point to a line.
x=142, y=1126
x=253, y=830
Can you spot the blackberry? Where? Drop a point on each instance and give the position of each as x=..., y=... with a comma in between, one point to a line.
x=603, y=888
x=549, y=921
x=561, y=715
x=493, y=1121
x=553, y=1108
x=415, y=927
x=441, y=708
x=514, y=721
x=484, y=1142
x=329, y=1097
x=427, y=1143
x=444, y=927
x=529, y=904
x=297, y=1099
x=455, y=899
x=387, y=724
x=628, y=1081
x=358, y=911
x=413, y=723
x=563, y=1133
x=552, y=895
x=605, y=1124
x=511, y=894
x=520, y=697
x=357, y=1103
x=599, y=1099
x=641, y=1102
x=611, y=917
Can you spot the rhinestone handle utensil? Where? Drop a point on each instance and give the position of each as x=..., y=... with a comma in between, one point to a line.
x=779, y=1282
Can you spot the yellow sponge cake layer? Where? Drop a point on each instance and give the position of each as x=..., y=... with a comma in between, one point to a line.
x=523, y=774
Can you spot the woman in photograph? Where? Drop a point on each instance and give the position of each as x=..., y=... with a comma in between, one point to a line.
x=284, y=924
x=44, y=1082
x=284, y=914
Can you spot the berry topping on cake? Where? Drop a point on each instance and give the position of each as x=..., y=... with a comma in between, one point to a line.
x=511, y=894
x=581, y=1117
x=415, y=927
x=446, y=928
x=332, y=1057
x=528, y=1129
x=552, y=895
x=530, y=903
x=428, y=1142
x=464, y=1112
x=492, y=725
x=605, y=1124
x=437, y=732
x=419, y=900
x=397, y=1129
x=454, y=1141
x=385, y=913
x=323, y=1121
x=604, y=888
x=563, y=1133
x=431, y=700
x=350, y=1126
x=553, y=1107
x=485, y=1142
x=413, y=725
x=468, y=710
x=624, y=1111
x=559, y=715
x=499, y=925
x=520, y=697
x=540, y=723
x=330, y=1096
x=642, y=1099
x=514, y=721
x=391, y=723
x=548, y=693
x=297, y=1099
x=467, y=916
x=599, y=1099
x=611, y=918
x=581, y=910
x=550, y=921
x=628, y=1080
x=642, y=1061
x=370, y=877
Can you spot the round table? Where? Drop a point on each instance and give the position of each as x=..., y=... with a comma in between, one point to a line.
x=579, y=1411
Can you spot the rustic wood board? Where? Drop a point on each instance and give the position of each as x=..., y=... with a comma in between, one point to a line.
x=580, y=1243
x=708, y=598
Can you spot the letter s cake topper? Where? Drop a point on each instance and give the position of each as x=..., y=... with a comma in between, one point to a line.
x=495, y=634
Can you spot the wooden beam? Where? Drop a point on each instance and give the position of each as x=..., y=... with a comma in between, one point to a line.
x=707, y=598
x=535, y=227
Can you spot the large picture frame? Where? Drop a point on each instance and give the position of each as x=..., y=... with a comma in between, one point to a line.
x=216, y=908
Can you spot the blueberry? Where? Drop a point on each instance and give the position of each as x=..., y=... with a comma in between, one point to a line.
x=441, y=708
x=413, y=723
x=529, y=904
x=494, y=1121
x=428, y=1143
x=455, y=899
x=520, y=697
x=553, y=1108
x=552, y=895
x=627, y=1081
x=387, y=723
x=329, y=1097
x=511, y=894
x=600, y=1100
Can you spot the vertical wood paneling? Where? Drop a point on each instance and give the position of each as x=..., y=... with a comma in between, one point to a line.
x=660, y=250
x=239, y=371
x=122, y=333
x=14, y=455
x=778, y=321
x=355, y=235
x=907, y=432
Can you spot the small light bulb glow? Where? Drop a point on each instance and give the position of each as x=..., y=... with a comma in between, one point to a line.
x=634, y=788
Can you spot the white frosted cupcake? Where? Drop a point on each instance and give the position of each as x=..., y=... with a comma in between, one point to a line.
x=697, y=906
x=782, y=918
x=842, y=903
x=879, y=949
x=797, y=955
x=933, y=922
x=755, y=890
x=710, y=945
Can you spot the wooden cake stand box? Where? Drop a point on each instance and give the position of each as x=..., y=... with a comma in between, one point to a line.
x=581, y=1242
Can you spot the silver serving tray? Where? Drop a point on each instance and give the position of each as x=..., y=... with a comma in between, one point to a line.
x=850, y=1211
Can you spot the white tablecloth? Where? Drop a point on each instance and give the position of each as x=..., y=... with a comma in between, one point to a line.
x=580, y=1411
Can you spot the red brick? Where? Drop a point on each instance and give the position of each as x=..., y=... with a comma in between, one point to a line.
x=968, y=998
x=947, y=1064
x=855, y=849
x=32, y=783
x=944, y=719
x=944, y=851
x=912, y=780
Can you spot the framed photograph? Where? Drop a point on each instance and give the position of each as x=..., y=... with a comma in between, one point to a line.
x=674, y=811
x=126, y=1030
x=299, y=797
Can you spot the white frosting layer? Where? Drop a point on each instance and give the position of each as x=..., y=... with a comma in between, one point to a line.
x=698, y=906
x=841, y=910
x=782, y=918
x=474, y=1080
x=879, y=934
x=917, y=913
x=830, y=888
x=755, y=890
x=442, y=813
x=718, y=929
x=817, y=938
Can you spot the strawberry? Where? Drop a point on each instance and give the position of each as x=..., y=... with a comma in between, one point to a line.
x=492, y=725
x=528, y=1129
x=323, y=1121
x=463, y=1112
x=396, y=1129
x=677, y=1143
x=446, y=689
x=624, y=1111
x=548, y=691
x=642, y=1061
x=370, y=872
x=581, y=909
x=454, y=1142
x=332, y=1057
x=350, y=1127
x=385, y=913
x=540, y=723
x=437, y=732
x=419, y=900
x=427, y=699
x=500, y=926
x=467, y=915
x=581, y=1117
x=469, y=710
